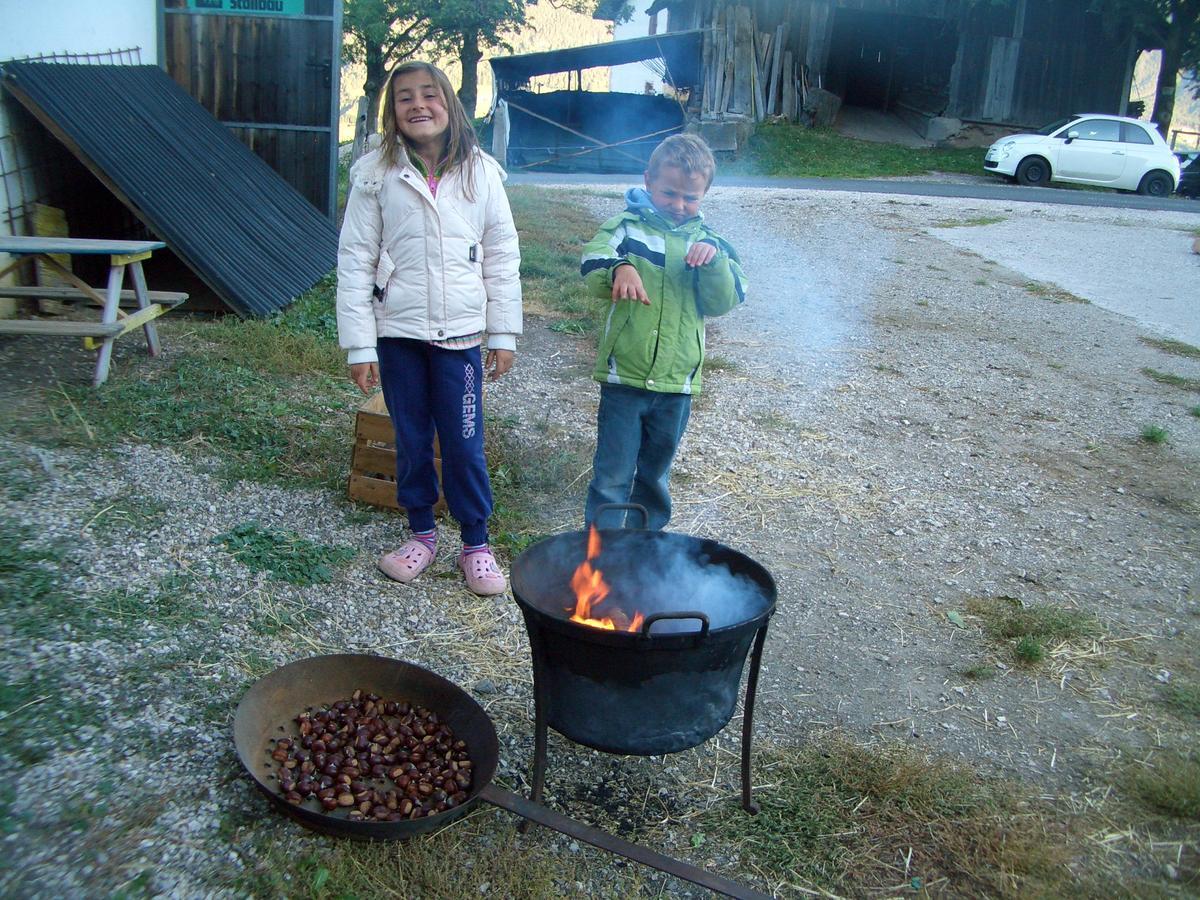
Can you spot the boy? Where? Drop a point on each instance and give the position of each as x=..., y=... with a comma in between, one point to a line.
x=664, y=270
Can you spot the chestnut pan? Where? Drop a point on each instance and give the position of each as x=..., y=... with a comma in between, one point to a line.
x=269, y=710
x=270, y=707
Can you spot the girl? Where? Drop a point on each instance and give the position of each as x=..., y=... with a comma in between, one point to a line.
x=427, y=262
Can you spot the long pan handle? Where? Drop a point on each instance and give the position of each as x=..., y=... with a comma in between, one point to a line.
x=535, y=812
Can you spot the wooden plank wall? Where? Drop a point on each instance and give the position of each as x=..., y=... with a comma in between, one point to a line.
x=1026, y=63
x=260, y=71
x=1032, y=69
x=301, y=157
x=269, y=78
x=753, y=55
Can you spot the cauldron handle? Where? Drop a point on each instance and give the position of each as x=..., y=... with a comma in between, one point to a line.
x=628, y=507
x=644, y=634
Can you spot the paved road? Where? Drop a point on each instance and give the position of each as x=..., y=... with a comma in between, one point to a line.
x=983, y=190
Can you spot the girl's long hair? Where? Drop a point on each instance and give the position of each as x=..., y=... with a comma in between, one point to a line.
x=461, y=141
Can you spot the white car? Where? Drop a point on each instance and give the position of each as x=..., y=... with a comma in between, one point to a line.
x=1106, y=151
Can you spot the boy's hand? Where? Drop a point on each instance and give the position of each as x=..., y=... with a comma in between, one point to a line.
x=365, y=375
x=701, y=254
x=498, y=362
x=627, y=284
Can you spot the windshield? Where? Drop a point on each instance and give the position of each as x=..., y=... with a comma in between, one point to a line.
x=1054, y=126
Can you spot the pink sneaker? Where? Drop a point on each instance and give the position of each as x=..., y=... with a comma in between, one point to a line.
x=482, y=573
x=406, y=563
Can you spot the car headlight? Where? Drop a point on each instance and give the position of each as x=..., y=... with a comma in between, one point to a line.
x=1006, y=148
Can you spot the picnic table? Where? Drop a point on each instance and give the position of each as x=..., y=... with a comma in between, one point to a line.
x=113, y=322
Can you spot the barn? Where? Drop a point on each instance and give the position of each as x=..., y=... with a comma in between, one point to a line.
x=1016, y=64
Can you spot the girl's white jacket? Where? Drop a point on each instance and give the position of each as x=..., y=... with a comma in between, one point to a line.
x=446, y=266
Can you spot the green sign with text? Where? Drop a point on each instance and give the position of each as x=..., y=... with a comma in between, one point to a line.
x=249, y=7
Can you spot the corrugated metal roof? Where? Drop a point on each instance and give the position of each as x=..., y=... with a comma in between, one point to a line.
x=247, y=233
x=679, y=49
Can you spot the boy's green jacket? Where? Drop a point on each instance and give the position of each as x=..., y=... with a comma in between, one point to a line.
x=659, y=347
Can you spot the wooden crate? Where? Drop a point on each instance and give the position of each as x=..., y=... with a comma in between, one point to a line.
x=373, y=463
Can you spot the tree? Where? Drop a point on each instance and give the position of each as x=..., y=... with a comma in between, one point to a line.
x=1172, y=26
x=380, y=33
x=465, y=27
x=468, y=26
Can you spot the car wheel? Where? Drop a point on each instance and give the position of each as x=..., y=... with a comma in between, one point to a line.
x=1155, y=184
x=1033, y=171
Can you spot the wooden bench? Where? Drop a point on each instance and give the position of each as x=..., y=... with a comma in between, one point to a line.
x=59, y=292
x=122, y=256
x=54, y=326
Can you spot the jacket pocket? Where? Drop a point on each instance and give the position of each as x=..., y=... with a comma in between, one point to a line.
x=383, y=273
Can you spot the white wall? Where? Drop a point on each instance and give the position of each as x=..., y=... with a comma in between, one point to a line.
x=35, y=27
x=41, y=27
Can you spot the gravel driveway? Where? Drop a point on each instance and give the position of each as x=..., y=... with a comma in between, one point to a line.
x=901, y=420
x=899, y=425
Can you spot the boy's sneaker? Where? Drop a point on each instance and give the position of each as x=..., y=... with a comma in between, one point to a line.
x=409, y=561
x=482, y=573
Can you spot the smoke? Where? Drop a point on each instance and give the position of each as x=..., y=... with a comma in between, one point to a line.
x=664, y=573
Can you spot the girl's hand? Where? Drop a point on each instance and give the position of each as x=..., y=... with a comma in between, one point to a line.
x=498, y=362
x=700, y=254
x=366, y=376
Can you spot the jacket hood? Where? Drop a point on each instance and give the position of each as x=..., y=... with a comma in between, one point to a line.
x=637, y=201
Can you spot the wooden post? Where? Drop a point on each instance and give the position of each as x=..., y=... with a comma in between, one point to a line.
x=719, y=44
x=743, y=60
x=776, y=64
x=760, y=93
x=358, y=148
x=500, y=133
x=788, y=100
x=705, y=69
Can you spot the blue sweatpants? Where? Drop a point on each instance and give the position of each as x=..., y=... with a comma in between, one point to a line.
x=426, y=387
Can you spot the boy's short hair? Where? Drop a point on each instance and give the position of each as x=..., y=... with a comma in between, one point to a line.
x=688, y=153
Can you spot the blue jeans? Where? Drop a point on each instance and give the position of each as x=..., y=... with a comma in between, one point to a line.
x=637, y=434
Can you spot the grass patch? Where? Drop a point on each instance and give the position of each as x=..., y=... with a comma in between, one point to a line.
x=528, y=478
x=716, y=363
x=1179, y=381
x=1195, y=411
x=1030, y=629
x=772, y=420
x=856, y=820
x=284, y=554
x=1052, y=293
x=264, y=399
x=1029, y=650
x=1182, y=698
x=572, y=326
x=259, y=427
x=553, y=229
x=796, y=151
x=966, y=223
x=18, y=478
x=1154, y=434
x=1175, y=348
x=445, y=866
x=127, y=512
x=979, y=672
x=1170, y=784
x=39, y=603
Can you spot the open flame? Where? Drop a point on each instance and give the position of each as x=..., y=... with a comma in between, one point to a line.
x=590, y=590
